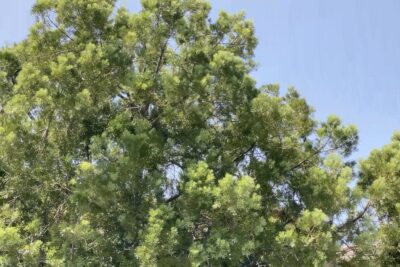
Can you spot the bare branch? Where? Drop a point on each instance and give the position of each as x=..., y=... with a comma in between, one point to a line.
x=353, y=220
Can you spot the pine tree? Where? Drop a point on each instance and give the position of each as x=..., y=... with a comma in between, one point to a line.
x=141, y=139
x=380, y=181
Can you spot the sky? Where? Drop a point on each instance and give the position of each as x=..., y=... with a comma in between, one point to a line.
x=343, y=56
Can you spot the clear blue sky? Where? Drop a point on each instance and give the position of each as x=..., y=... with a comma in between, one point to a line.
x=343, y=56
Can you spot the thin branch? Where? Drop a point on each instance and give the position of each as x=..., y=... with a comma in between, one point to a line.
x=174, y=162
x=241, y=155
x=58, y=28
x=46, y=131
x=353, y=220
x=160, y=59
x=316, y=152
x=169, y=200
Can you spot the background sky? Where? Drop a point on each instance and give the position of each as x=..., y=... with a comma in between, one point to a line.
x=343, y=56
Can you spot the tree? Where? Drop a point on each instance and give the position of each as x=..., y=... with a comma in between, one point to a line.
x=142, y=139
x=380, y=180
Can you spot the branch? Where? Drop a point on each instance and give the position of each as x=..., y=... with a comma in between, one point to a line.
x=58, y=28
x=14, y=76
x=160, y=59
x=46, y=131
x=359, y=216
x=174, y=162
x=169, y=200
x=241, y=155
x=316, y=152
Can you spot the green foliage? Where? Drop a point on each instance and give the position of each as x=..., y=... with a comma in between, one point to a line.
x=380, y=179
x=309, y=242
x=141, y=139
x=215, y=223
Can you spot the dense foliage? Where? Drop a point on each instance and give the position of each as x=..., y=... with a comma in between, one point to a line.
x=141, y=139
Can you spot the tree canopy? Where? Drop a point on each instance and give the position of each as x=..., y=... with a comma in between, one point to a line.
x=141, y=139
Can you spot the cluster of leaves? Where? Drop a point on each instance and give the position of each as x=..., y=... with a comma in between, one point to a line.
x=141, y=139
